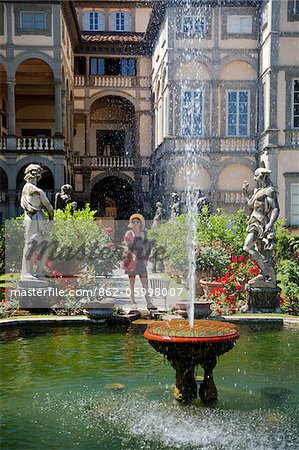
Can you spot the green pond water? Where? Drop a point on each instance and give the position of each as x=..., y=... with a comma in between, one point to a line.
x=54, y=393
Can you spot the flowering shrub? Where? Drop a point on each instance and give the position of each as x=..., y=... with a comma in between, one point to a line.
x=230, y=298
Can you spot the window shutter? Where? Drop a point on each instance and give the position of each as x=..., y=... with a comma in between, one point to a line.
x=246, y=25
x=101, y=22
x=86, y=26
x=127, y=17
x=233, y=24
x=113, y=22
x=295, y=204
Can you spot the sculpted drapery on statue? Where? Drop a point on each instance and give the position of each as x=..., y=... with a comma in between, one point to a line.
x=34, y=202
x=260, y=241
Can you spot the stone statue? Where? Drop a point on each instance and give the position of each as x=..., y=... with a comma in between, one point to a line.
x=260, y=240
x=34, y=202
x=175, y=205
x=63, y=198
x=159, y=215
x=201, y=201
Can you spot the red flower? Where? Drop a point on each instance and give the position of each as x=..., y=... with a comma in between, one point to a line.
x=238, y=287
x=229, y=266
x=59, y=274
x=110, y=245
x=127, y=238
x=49, y=264
x=4, y=300
x=108, y=230
x=234, y=259
x=241, y=258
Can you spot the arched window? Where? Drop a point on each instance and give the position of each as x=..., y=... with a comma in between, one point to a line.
x=121, y=21
x=93, y=21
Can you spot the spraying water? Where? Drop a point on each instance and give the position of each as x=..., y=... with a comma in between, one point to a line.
x=192, y=123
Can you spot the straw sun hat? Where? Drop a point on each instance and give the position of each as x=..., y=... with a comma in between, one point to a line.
x=139, y=217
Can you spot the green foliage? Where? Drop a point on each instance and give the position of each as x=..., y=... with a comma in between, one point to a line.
x=229, y=231
x=219, y=235
x=2, y=250
x=213, y=261
x=170, y=242
x=289, y=283
x=76, y=235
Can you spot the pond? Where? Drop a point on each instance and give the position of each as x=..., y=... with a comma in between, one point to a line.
x=62, y=388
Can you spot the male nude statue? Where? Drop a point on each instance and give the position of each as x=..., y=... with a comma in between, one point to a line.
x=34, y=202
x=260, y=240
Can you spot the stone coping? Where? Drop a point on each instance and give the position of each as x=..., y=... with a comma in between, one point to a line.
x=77, y=320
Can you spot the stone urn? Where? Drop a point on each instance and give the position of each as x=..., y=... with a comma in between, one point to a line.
x=202, y=309
x=99, y=310
x=209, y=286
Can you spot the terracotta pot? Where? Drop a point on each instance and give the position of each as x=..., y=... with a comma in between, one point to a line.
x=209, y=286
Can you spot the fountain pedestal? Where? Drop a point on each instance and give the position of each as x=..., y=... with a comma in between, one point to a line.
x=186, y=348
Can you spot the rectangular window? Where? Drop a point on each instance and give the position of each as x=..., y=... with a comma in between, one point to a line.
x=125, y=67
x=93, y=21
x=239, y=24
x=192, y=113
x=33, y=20
x=296, y=103
x=237, y=113
x=121, y=21
x=294, y=204
x=194, y=25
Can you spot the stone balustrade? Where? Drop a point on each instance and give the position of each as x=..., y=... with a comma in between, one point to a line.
x=232, y=197
x=35, y=143
x=3, y=143
x=238, y=145
x=113, y=162
x=78, y=161
x=105, y=81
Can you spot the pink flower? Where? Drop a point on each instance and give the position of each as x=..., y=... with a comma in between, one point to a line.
x=127, y=238
x=59, y=274
x=49, y=264
x=108, y=230
x=110, y=245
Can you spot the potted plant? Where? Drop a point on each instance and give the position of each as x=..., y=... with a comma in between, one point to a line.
x=212, y=261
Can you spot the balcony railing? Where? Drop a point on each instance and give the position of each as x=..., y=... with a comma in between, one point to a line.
x=232, y=197
x=35, y=143
x=238, y=145
x=3, y=143
x=113, y=162
x=105, y=81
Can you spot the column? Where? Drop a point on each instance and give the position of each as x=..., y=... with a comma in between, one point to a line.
x=87, y=134
x=58, y=108
x=11, y=107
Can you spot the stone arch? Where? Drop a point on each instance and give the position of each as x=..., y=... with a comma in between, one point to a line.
x=238, y=57
x=114, y=93
x=36, y=159
x=101, y=176
x=232, y=174
x=42, y=57
x=196, y=70
x=198, y=177
x=238, y=70
x=113, y=193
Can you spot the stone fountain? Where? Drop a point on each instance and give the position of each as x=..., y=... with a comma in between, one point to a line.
x=186, y=348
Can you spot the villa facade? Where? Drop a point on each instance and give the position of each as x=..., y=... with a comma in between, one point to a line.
x=129, y=101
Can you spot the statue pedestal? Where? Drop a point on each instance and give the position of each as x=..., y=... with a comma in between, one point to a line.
x=262, y=299
x=35, y=296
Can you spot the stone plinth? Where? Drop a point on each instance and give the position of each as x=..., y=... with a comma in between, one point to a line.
x=262, y=299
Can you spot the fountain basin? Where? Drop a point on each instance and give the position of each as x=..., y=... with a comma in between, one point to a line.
x=186, y=348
